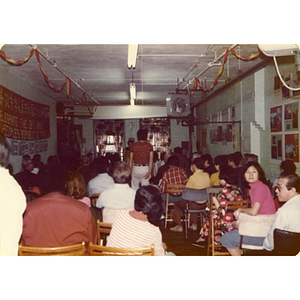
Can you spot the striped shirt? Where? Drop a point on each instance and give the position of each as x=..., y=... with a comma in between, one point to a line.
x=174, y=175
x=128, y=232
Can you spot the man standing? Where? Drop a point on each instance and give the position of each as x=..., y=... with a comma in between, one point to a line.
x=12, y=204
x=286, y=218
x=141, y=160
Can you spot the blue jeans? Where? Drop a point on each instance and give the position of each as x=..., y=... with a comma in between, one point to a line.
x=231, y=240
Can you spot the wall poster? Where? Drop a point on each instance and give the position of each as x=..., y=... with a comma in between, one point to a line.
x=276, y=146
x=292, y=147
x=291, y=116
x=276, y=118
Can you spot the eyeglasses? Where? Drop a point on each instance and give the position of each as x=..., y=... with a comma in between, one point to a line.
x=279, y=188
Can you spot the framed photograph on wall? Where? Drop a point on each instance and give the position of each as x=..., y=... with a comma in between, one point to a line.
x=276, y=118
x=291, y=117
x=276, y=146
x=292, y=147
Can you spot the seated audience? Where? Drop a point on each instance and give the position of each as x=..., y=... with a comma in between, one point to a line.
x=174, y=175
x=85, y=169
x=118, y=195
x=208, y=164
x=26, y=179
x=286, y=218
x=183, y=161
x=261, y=198
x=12, y=204
x=37, y=163
x=224, y=219
x=199, y=180
x=55, y=220
x=164, y=167
x=102, y=181
x=132, y=229
x=220, y=162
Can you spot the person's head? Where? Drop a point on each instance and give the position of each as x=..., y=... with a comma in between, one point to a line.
x=253, y=172
x=287, y=187
x=101, y=165
x=142, y=134
x=84, y=160
x=153, y=180
x=249, y=157
x=178, y=150
x=155, y=156
x=227, y=175
x=148, y=201
x=287, y=167
x=221, y=161
x=194, y=155
x=27, y=164
x=4, y=151
x=198, y=164
x=173, y=160
x=166, y=157
x=233, y=160
x=207, y=160
x=122, y=173
x=75, y=186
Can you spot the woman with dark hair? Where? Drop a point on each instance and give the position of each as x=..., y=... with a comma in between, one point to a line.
x=224, y=219
x=132, y=229
x=261, y=203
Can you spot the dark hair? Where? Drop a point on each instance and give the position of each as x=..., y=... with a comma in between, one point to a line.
x=154, y=180
x=122, y=173
x=173, y=160
x=249, y=157
x=229, y=175
x=142, y=134
x=4, y=150
x=288, y=167
x=257, y=166
x=75, y=186
x=198, y=162
x=235, y=158
x=207, y=157
x=221, y=161
x=101, y=164
x=293, y=181
x=178, y=150
x=148, y=200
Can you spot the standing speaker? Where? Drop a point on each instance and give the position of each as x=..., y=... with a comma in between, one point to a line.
x=178, y=105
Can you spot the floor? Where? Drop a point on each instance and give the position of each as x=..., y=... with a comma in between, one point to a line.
x=177, y=242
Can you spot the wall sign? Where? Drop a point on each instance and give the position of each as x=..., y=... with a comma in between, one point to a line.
x=23, y=119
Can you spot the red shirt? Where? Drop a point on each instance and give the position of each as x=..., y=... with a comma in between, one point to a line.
x=174, y=175
x=141, y=152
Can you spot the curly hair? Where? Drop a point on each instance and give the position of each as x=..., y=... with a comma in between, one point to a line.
x=75, y=185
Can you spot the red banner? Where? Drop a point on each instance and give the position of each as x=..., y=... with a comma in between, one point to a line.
x=23, y=119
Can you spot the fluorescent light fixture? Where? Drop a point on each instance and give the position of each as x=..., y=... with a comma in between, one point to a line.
x=278, y=50
x=1, y=45
x=132, y=55
x=132, y=90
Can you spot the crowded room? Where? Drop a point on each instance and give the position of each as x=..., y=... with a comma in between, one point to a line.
x=149, y=150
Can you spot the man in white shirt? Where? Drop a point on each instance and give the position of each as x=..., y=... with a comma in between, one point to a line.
x=12, y=204
x=99, y=183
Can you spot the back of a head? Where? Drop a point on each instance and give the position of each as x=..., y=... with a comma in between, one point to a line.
x=288, y=167
x=173, y=160
x=84, y=160
x=293, y=181
x=198, y=162
x=221, y=160
x=4, y=150
x=249, y=157
x=148, y=200
x=101, y=164
x=234, y=158
x=229, y=175
x=142, y=134
x=26, y=162
x=75, y=186
x=207, y=157
x=122, y=173
x=178, y=150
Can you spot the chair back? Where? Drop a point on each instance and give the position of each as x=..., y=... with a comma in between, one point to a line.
x=199, y=195
x=258, y=225
x=286, y=242
x=103, y=231
x=94, y=198
x=97, y=250
x=170, y=189
x=73, y=250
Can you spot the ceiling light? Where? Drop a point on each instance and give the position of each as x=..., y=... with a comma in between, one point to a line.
x=132, y=55
x=1, y=45
x=132, y=90
x=278, y=50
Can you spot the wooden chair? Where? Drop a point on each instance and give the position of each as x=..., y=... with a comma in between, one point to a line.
x=103, y=231
x=97, y=250
x=72, y=250
x=171, y=188
x=94, y=198
x=231, y=205
x=195, y=195
x=258, y=225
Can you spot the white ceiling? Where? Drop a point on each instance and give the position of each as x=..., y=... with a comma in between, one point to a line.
x=101, y=70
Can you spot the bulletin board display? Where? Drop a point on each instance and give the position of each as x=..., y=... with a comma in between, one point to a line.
x=23, y=119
